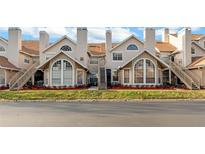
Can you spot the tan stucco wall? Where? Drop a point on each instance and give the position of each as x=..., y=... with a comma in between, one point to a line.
x=126, y=55
x=21, y=60
x=74, y=53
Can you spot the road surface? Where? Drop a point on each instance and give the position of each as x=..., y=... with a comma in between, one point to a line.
x=144, y=113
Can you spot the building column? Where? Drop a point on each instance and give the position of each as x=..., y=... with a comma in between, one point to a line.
x=170, y=78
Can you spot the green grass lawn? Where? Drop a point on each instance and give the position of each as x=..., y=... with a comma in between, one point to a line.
x=105, y=94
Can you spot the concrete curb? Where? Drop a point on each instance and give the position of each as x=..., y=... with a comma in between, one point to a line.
x=106, y=101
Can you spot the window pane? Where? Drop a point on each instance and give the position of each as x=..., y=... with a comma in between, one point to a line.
x=132, y=47
x=67, y=73
x=93, y=60
x=139, y=71
x=56, y=73
x=150, y=72
x=117, y=56
x=126, y=75
x=66, y=48
x=2, y=77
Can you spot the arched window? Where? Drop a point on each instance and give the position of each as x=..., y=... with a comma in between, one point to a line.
x=2, y=48
x=67, y=73
x=144, y=72
x=132, y=47
x=56, y=73
x=139, y=71
x=150, y=72
x=66, y=48
x=62, y=73
x=2, y=77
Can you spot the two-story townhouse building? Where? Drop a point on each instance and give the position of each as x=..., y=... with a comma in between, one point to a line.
x=177, y=59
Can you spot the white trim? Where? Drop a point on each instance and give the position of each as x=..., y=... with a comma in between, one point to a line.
x=76, y=77
x=129, y=76
x=73, y=73
x=112, y=72
x=144, y=72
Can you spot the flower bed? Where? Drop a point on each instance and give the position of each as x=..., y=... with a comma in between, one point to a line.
x=143, y=87
x=54, y=87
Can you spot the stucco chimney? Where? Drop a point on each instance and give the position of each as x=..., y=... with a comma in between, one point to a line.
x=186, y=47
x=108, y=40
x=149, y=40
x=165, y=35
x=82, y=42
x=43, y=44
x=14, y=45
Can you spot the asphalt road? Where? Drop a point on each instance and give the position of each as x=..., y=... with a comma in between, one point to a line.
x=145, y=113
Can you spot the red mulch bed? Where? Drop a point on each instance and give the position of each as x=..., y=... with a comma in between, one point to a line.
x=4, y=87
x=54, y=88
x=144, y=87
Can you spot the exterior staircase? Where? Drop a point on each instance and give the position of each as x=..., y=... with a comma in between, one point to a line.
x=185, y=76
x=23, y=76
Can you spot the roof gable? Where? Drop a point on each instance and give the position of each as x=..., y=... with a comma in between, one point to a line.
x=158, y=59
x=127, y=39
x=62, y=52
x=58, y=41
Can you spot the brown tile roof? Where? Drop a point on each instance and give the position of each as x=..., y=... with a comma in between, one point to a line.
x=6, y=64
x=175, y=34
x=195, y=37
x=195, y=59
x=165, y=47
x=198, y=63
x=98, y=48
x=31, y=47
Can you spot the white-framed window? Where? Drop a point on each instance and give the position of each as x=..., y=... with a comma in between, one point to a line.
x=144, y=72
x=66, y=48
x=26, y=61
x=117, y=56
x=132, y=47
x=56, y=73
x=2, y=49
x=67, y=73
x=2, y=77
x=115, y=76
x=126, y=76
x=93, y=60
x=62, y=73
x=193, y=52
x=80, y=77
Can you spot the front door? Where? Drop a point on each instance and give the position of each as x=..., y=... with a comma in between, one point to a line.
x=108, y=72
